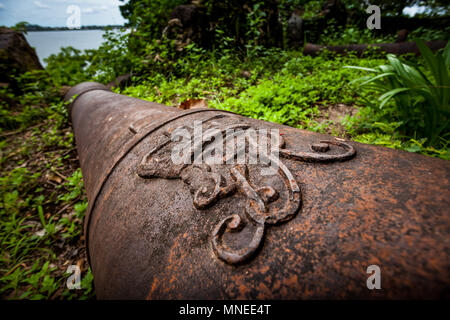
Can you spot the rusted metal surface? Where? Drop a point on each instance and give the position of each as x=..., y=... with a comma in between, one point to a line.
x=158, y=230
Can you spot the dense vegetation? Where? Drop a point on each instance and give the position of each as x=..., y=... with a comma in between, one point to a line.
x=397, y=102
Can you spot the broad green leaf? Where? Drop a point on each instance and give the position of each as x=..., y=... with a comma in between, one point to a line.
x=429, y=57
x=446, y=55
x=377, y=77
x=388, y=95
x=361, y=68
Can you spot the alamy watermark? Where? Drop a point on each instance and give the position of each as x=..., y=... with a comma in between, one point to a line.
x=74, y=280
x=374, y=21
x=374, y=280
x=74, y=20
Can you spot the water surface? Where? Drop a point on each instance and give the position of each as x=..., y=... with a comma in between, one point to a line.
x=50, y=42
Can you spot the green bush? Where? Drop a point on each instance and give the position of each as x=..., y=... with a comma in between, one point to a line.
x=69, y=66
x=421, y=97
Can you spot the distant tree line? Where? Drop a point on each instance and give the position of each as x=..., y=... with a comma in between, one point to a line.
x=25, y=26
x=258, y=22
x=34, y=27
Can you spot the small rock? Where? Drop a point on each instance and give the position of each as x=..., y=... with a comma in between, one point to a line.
x=40, y=233
x=245, y=74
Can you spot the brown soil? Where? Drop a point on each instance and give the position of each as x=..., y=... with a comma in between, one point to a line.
x=333, y=114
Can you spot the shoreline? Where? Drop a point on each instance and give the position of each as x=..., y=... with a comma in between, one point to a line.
x=83, y=28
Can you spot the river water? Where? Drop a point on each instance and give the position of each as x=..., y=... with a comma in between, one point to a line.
x=50, y=42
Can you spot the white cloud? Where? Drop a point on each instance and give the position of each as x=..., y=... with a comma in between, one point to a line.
x=411, y=11
x=95, y=9
x=53, y=12
x=103, y=8
x=40, y=5
x=87, y=10
x=110, y=3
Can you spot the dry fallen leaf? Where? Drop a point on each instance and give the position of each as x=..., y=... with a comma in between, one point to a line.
x=80, y=264
x=193, y=104
x=53, y=177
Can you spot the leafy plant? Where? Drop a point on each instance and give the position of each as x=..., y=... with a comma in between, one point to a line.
x=75, y=186
x=21, y=26
x=338, y=35
x=69, y=66
x=421, y=97
x=430, y=34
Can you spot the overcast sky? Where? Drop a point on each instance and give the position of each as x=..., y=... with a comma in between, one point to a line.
x=53, y=13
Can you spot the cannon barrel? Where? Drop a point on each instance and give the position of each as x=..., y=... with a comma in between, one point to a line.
x=319, y=218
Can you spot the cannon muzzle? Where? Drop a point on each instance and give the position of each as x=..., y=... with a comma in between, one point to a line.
x=181, y=207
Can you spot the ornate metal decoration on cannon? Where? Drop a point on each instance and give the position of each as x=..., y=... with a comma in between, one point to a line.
x=271, y=200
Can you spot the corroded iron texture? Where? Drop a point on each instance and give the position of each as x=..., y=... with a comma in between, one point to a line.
x=208, y=183
x=156, y=229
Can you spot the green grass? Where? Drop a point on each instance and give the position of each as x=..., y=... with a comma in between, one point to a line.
x=291, y=89
x=42, y=205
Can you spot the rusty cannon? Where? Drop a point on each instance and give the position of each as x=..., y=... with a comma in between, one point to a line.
x=317, y=218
